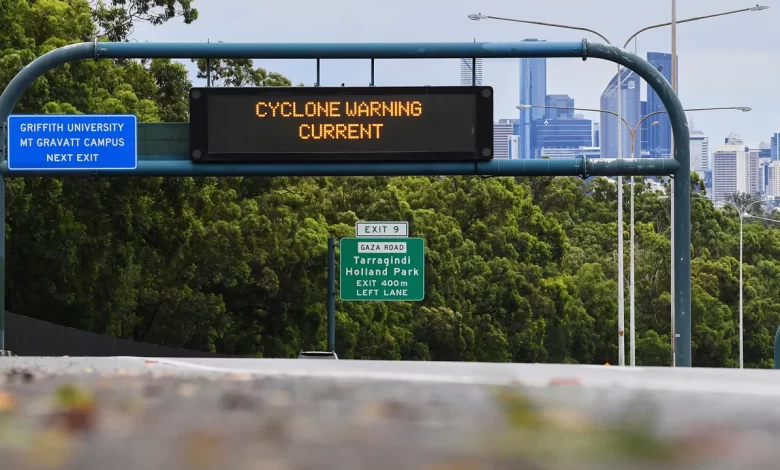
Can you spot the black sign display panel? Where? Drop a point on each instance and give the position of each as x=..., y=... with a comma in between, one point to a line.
x=298, y=124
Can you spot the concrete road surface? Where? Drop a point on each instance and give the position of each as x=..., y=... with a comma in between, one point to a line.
x=169, y=414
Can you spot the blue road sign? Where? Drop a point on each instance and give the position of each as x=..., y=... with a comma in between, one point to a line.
x=72, y=142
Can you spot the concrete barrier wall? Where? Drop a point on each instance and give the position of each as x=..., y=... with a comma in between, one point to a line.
x=25, y=336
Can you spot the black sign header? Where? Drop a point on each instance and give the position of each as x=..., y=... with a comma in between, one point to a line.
x=294, y=124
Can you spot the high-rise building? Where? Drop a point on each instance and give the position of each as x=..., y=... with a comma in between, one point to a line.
x=631, y=101
x=700, y=152
x=467, y=69
x=644, y=132
x=724, y=171
x=773, y=180
x=763, y=173
x=563, y=133
x=596, y=134
x=558, y=102
x=765, y=150
x=733, y=139
x=775, y=147
x=659, y=139
x=753, y=173
x=734, y=169
x=533, y=92
x=514, y=147
x=501, y=132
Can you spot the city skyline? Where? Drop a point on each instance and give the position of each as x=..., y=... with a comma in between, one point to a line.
x=538, y=128
x=706, y=49
x=547, y=127
x=652, y=138
x=654, y=135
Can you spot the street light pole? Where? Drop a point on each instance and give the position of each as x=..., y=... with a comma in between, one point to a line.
x=671, y=186
x=742, y=213
x=631, y=282
x=621, y=289
x=671, y=269
x=632, y=134
x=741, y=326
x=621, y=281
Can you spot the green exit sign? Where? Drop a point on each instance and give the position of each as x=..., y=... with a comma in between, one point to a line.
x=382, y=269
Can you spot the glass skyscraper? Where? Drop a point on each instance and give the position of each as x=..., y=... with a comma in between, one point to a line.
x=644, y=127
x=765, y=150
x=559, y=101
x=631, y=100
x=775, y=147
x=467, y=68
x=564, y=133
x=659, y=138
x=533, y=91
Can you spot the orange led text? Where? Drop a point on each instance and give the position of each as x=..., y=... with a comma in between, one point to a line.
x=344, y=111
x=352, y=131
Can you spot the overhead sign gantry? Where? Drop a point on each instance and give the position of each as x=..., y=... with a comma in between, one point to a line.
x=414, y=145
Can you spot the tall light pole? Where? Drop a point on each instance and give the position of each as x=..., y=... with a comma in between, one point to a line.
x=744, y=109
x=632, y=133
x=632, y=264
x=671, y=268
x=673, y=23
x=671, y=186
x=742, y=212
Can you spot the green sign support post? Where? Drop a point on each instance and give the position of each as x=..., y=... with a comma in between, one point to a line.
x=380, y=264
x=382, y=269
x=331, y=294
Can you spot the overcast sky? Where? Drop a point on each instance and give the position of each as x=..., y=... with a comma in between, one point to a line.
x=728, y=61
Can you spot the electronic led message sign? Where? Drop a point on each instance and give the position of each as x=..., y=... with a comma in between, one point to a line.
x=289, y=124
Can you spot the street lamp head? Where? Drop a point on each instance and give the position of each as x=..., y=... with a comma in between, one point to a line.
x=744, y=109
x=758, y=8
x=480, y=16
x=523, y=106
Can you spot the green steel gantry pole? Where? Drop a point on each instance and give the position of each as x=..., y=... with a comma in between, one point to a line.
x=175, y=165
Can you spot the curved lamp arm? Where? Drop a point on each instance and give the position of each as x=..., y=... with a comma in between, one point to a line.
x=695, y=18
x=480, y=16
